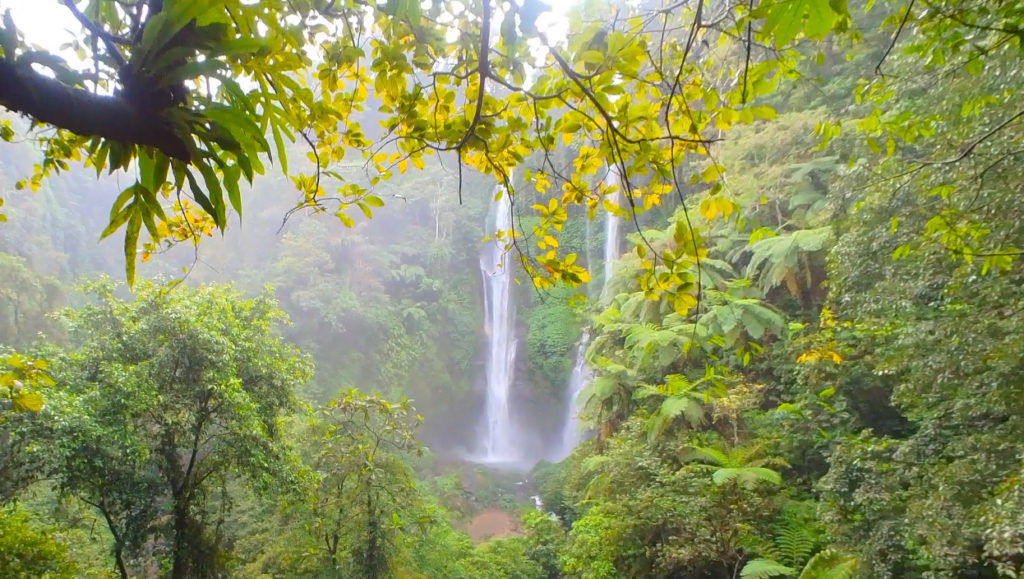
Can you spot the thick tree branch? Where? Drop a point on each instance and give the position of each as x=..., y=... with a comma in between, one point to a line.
x=47, y=100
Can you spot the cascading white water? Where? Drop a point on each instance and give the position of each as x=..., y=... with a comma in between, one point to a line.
x=611, y=232
x=580, y=376
x=578, y=380
x=499, y=312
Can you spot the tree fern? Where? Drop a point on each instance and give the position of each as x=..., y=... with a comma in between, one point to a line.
x=734, y=317
x=685, y=405
x=795, y=540
x=711, y=455
x=597, y=391
x=747, y=477
x=740, y=464
x=775, y=260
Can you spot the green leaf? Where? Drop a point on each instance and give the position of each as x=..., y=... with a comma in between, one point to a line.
x=131, y=245
x=785, y=20
x=198, y=194
x=216, y=195
x=279, y=143
x=117, y=221
x=231, y=176
x=819, y=19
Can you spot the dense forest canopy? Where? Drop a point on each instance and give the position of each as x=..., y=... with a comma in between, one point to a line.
x=768, y=322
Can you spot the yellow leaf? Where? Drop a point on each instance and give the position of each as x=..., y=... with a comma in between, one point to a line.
x=567, y=138
x=31, y=402
x=403, y=165
x=550, y=241
x=723, y=205
x=712, y=173
x=708, y=209
x=765, y=112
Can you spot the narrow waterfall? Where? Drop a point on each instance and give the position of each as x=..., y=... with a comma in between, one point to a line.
x=580, y=376
x=611, y=232
x=499, y=314
x=578, y=380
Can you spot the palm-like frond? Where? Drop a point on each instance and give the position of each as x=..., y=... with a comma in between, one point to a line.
x=715, y=273
x=765, y=568
x=685, y=405
x=740, y=464
x=774, y=259
x=736, y=316
x=710, y=455
x=829, y=564
x=596, y=392
x=747, y=477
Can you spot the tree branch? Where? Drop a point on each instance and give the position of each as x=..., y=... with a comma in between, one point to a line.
x=484, y=69
x=47, y=100
x=895, y=37
x=109, y=40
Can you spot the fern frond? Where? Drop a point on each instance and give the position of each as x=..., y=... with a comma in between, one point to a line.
x=765, y=568
x=744, y=454
x=771, y=461
x=595, y=393
x=709, y=454
x=747, y=477
x=795, y=541
x=773, y=258
x=690, y=409
x=829, y=564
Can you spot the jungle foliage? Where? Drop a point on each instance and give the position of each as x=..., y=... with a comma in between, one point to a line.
x=806, y=362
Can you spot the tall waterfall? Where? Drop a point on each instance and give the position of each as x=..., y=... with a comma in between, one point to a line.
x=499, y=313
x=611, y=232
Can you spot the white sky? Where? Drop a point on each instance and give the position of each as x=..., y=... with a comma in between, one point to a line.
x=43, y=22
x=48, y=23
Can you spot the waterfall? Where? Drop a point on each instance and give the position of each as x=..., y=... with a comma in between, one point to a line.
x=578, y=380
x=499, y=314
x=580, y=376
x=611, y=232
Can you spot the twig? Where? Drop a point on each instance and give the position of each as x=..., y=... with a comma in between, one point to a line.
x=895, y=37
x=109, y=40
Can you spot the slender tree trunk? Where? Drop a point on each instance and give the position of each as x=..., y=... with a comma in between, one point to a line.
x=118, y=543
x=180, y=567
